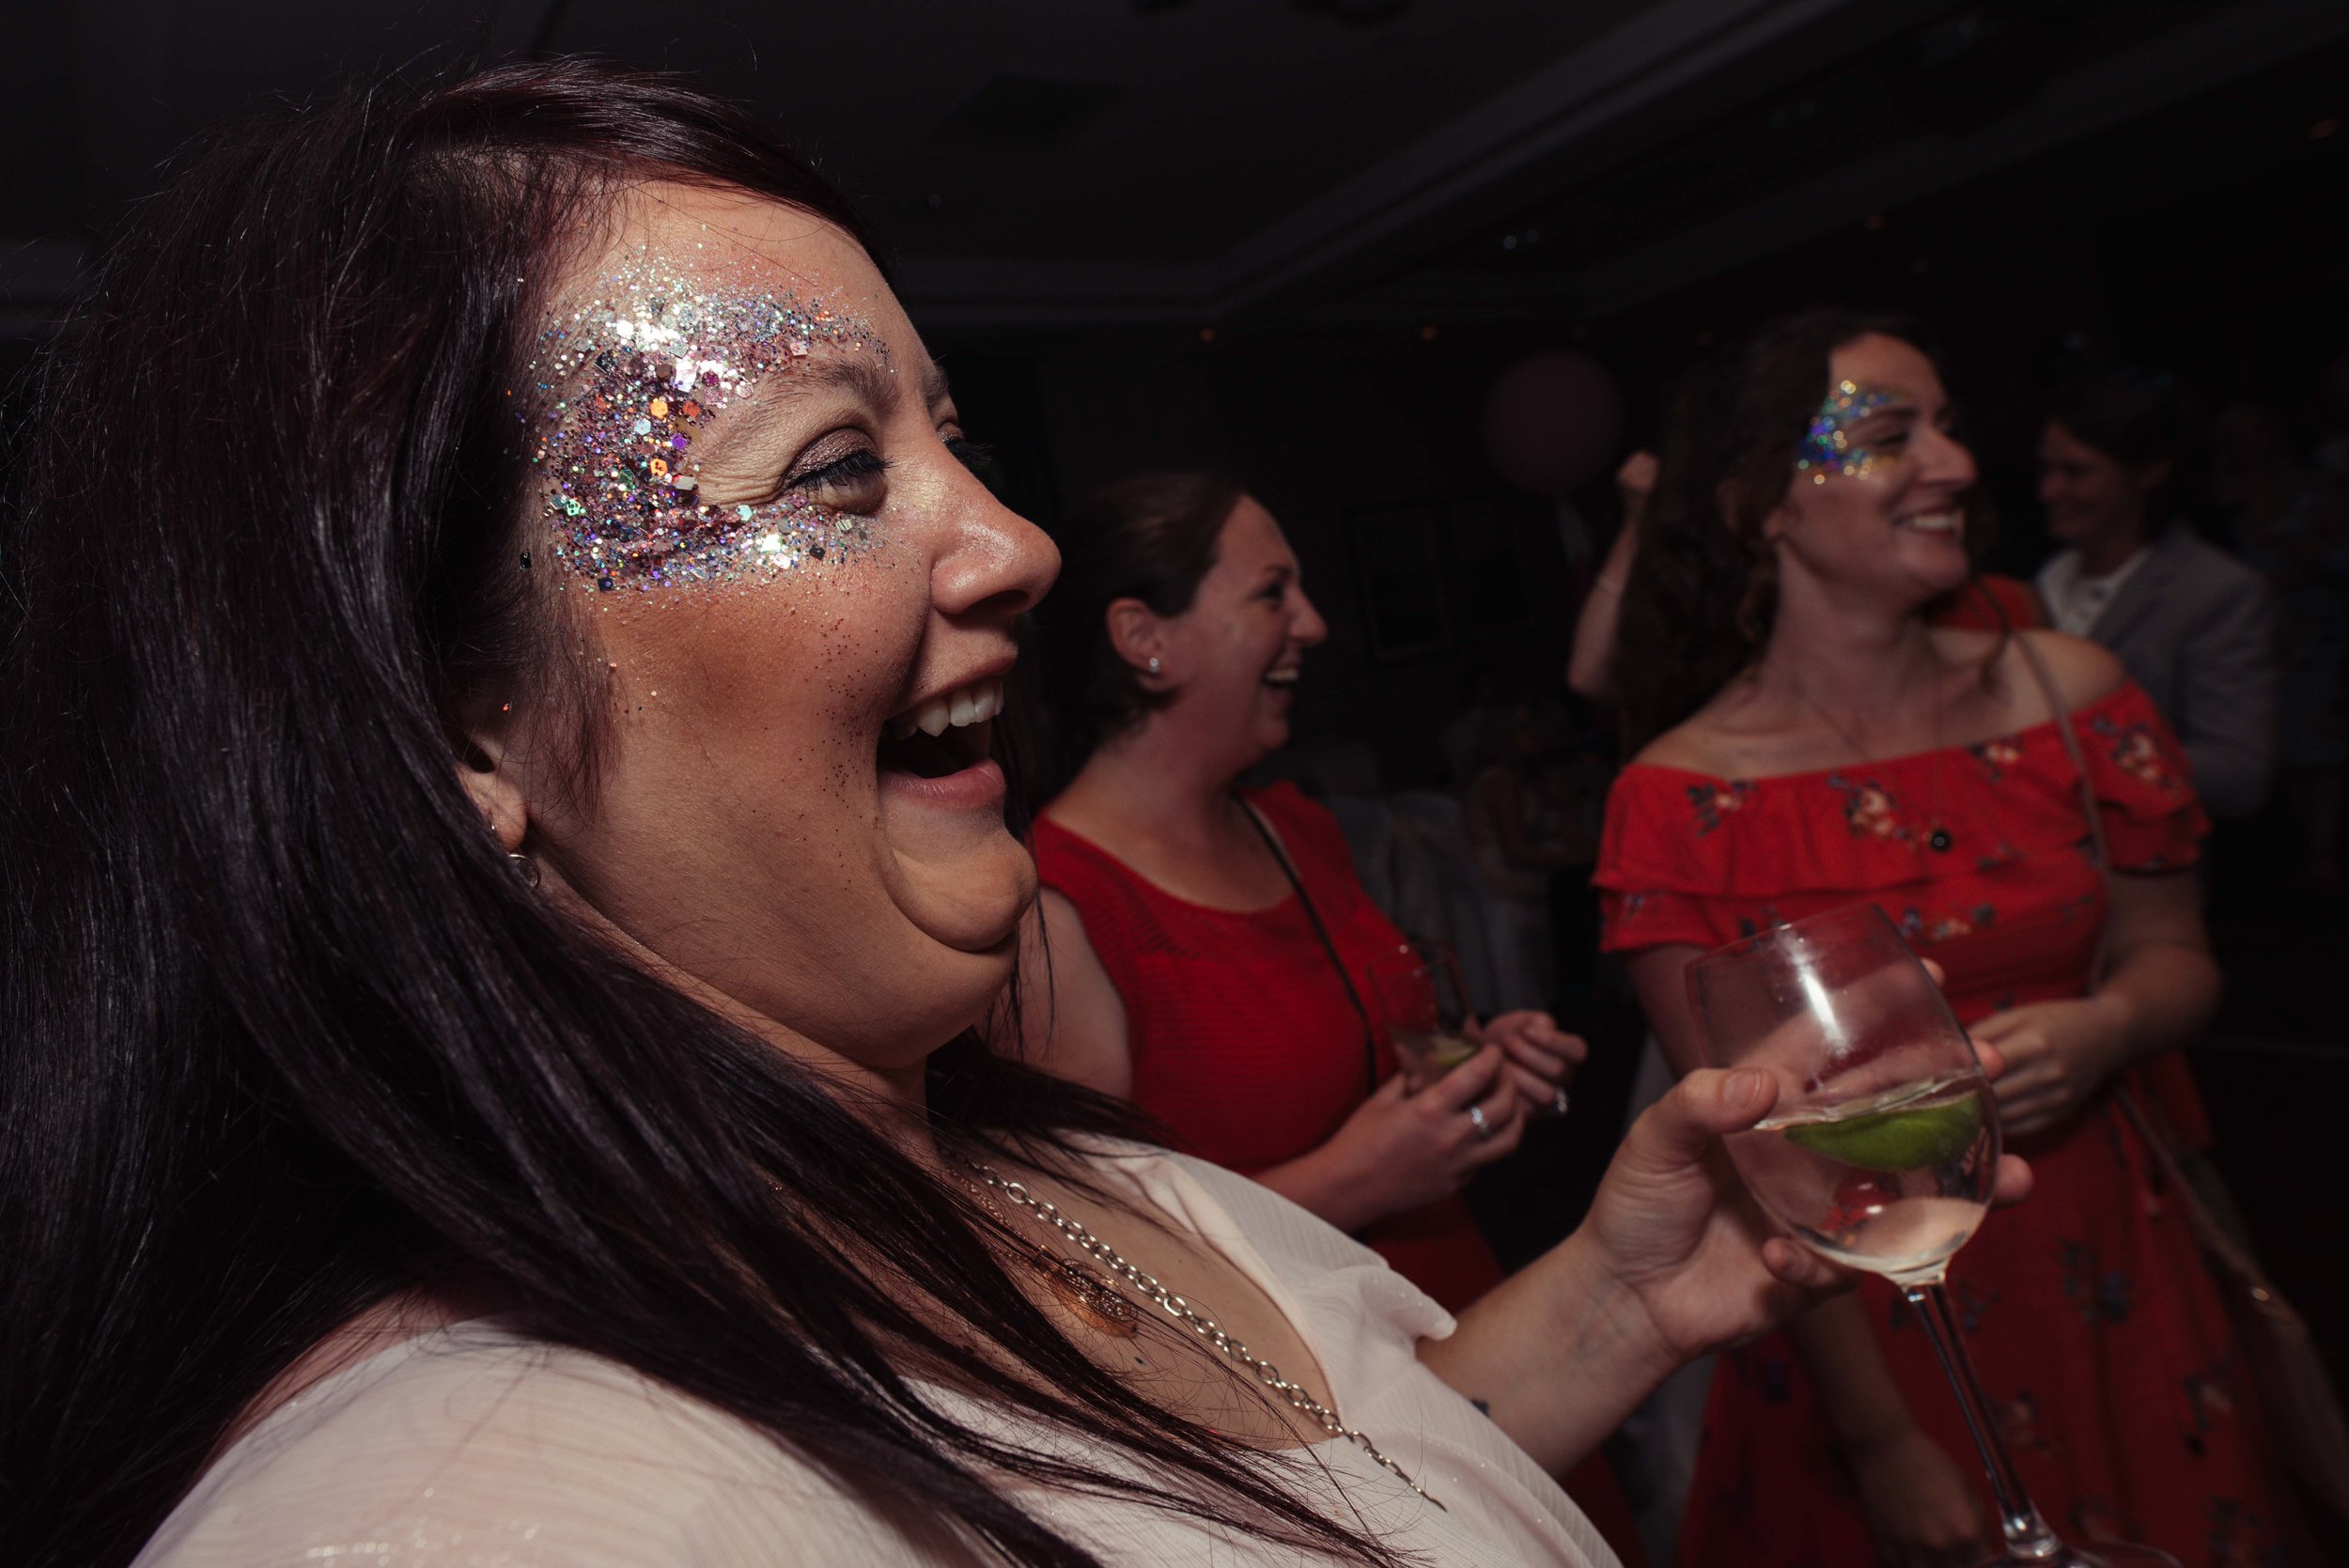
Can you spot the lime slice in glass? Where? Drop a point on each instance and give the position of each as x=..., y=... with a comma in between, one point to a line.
x=1906, y=1140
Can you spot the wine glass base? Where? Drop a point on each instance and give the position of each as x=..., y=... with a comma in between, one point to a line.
x=2094, y=1554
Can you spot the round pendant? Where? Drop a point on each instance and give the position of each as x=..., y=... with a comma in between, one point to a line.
x=1087, y=1295
x=1940, y=840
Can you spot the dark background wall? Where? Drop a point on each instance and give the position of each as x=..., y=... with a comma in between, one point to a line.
x=2210, y=240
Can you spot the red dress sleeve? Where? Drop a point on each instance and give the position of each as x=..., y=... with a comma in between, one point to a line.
x=2140, y=775
x=2152, y=822
x=1658, y=882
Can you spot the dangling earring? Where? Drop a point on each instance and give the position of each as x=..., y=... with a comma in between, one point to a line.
x=1154, y=665
x=524, y=867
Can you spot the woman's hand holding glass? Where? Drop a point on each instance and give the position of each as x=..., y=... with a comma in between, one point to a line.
x=1882, y=1149
x=1404, y=1147
x=1423, y=1003
x=1674, y=1259
x=1674, y=1228
x=1542, y=1056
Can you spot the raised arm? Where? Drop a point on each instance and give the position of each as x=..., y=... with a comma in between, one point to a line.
x=1590, y=669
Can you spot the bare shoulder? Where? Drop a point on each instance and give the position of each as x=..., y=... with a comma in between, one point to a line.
x=1072, y=1022
x=1083, y=812
x=1061, y=925
x=1692, y=747
x=2083, y=671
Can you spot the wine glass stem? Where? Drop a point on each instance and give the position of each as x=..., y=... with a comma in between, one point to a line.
x=2028, y=1537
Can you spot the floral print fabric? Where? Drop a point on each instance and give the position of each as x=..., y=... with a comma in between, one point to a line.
x=2098, y=1334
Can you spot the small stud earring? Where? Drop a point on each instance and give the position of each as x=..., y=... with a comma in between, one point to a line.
x=1154, y=666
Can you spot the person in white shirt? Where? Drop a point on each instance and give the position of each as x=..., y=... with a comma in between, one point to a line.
x=506, y=864
x=2195, y=626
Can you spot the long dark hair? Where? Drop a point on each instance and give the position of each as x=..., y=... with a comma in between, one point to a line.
x=1150, y=537
x=1702, y=594
x=285, y=1036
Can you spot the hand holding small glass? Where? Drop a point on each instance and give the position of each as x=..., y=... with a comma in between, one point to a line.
x=1432, y=1028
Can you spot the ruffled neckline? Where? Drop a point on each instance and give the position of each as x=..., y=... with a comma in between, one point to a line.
x=2126, y=695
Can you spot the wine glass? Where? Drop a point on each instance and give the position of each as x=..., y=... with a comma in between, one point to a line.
x=1883, y=1147
x=1425, y=1004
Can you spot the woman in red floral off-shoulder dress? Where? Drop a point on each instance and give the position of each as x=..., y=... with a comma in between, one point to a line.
x=1811, y=740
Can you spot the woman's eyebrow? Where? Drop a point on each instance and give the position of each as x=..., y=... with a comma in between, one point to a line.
x=750, y=426
x=861, y=374
x=933, y=389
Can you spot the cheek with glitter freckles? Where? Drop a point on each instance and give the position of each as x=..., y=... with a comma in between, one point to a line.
x=628, y=384
x=1827, y=447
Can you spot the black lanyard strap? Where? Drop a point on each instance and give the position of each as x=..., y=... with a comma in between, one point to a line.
x=1297, y=883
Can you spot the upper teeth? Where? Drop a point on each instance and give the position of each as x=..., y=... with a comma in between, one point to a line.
x=974, y=703
x=1933, y=521
x=1282, y=677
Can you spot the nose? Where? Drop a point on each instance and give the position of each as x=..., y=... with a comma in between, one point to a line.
x=1306, y=627
x=995, y=564
x=1948, y=462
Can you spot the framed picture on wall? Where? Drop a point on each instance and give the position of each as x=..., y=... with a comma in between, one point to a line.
x=1493, y=576
x=1399, y=572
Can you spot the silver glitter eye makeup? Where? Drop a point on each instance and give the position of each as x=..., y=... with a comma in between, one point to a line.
x=1827, y=447
x=629, y=383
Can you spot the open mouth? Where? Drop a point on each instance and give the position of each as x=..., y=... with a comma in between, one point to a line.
x=1284, y=679
x=944, y=735
x=1934, y=523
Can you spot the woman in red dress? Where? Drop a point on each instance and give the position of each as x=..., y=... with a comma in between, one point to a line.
x=1815, y=741
x=1210, y=948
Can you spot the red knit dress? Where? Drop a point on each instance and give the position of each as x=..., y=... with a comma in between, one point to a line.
x=2100, y=1338
x=1244, y=1043
x=1247, y=1050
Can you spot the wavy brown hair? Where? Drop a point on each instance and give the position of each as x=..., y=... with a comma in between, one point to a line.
x=1702, y=597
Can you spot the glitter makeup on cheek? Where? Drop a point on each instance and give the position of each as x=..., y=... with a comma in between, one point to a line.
x=629, y=383
x=1827, y=447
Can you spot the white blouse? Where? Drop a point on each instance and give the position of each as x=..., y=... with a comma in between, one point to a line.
x=472, y=1446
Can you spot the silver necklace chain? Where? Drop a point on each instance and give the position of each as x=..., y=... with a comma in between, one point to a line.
x=1190, y=1318
x=1937, y=836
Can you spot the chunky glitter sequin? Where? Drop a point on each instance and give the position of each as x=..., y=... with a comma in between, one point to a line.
x=1827, y=447
x=627, y=381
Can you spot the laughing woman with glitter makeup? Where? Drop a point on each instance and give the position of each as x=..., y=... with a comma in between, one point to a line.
x=493, y=1076
x=1810, y=740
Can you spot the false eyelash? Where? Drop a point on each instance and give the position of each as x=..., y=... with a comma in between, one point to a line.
x=853, y=468
x=976, y=456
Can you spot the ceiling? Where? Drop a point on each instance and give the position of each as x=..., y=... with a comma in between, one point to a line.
x=1057, y=162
